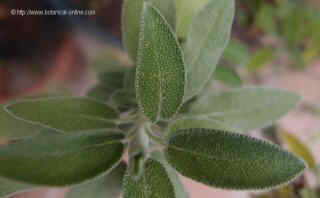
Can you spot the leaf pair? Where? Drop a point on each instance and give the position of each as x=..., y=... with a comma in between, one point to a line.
x=71, y=142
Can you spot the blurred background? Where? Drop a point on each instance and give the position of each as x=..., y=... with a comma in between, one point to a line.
x=275, y=43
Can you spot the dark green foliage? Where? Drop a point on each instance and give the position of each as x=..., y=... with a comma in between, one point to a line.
x=56, y=159
x=106, y=186
x=155, y=182
x=160, y=76
x=231, y=161
x=65, y=114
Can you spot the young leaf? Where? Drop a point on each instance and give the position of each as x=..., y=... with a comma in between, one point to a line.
x=232, y=161
x=131, y=15
x=297, y=147
x=160, y=75
x=107, y=186
x=245, y=108
x=9, y=188
x=131, y=21
x=155, y=182
x=186, y=10
x=56, y=159
x=206, y=41
x=65, y=114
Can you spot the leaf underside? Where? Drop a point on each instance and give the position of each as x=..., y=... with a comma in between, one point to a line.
x=207, y=38
x=244, y=109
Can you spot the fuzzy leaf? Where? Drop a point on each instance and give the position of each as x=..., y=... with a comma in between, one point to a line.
x=245, y=108
x=167, y=9
x=65, y=114
x=160, y=73
x=154, y=182
x=186, y=10
x=131, y=15
x=206, y=41
x=131, y=21
x=107, y=186
x=232, y=161
x=180, y=191
x=56, y=159
x=9, y=188
x=194, y=122
x=297, y=147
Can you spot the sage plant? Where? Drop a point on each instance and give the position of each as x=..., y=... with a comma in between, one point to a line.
x=158, y=113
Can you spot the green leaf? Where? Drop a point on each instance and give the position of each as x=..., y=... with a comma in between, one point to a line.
x=160, y=75
x=131, y=21
x=245, y=109
x=65, y=114
x=124, y=100
x=109, y=83
x=9, y=188
x=228, y=76
x=172, y=173
x=110, y=59
x=55, y=159
x=206, y=41
x=167, y=9
x=194, y=122
x=155, y=182
x=131, y=17
x=107, y=186
x=237, y=53
x=231, y=161
x=298, y=148
x=11, y=128
x=186, y=10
